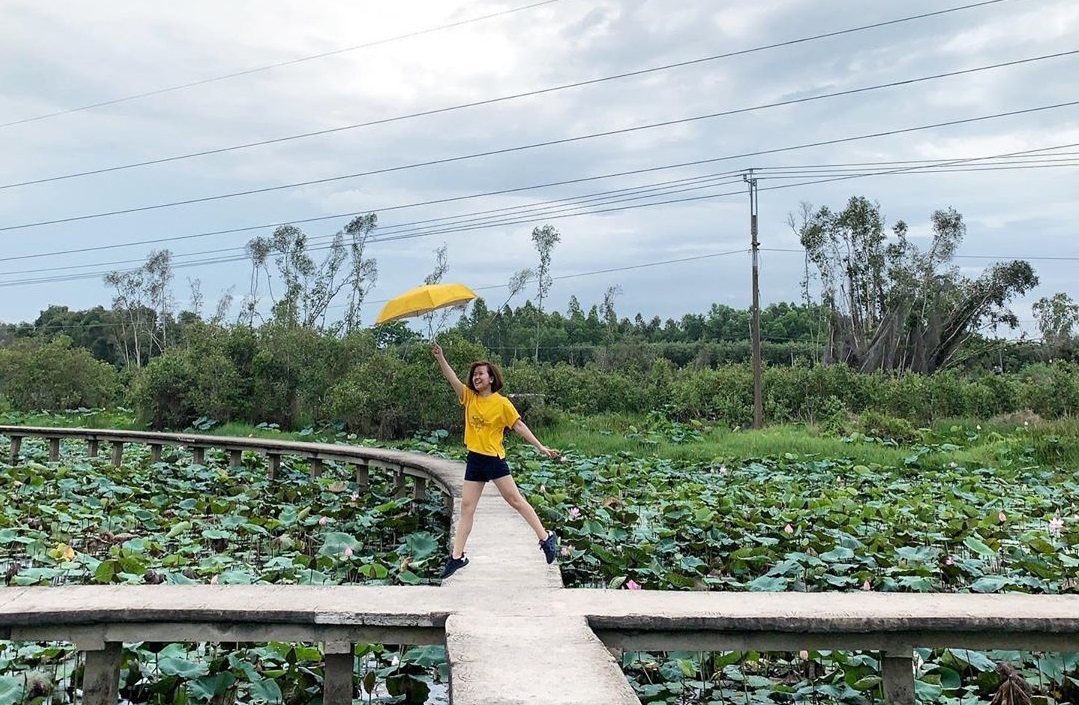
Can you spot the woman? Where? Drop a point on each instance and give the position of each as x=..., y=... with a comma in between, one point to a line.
x=487, y=415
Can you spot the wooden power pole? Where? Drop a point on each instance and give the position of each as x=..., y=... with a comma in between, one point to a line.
x=755, y=319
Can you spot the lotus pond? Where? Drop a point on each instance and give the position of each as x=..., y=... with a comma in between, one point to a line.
x=626, y=521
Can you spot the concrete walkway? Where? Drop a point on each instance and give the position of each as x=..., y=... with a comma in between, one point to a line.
x=512, y=639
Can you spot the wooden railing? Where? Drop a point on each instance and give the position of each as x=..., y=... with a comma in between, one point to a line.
x=418, y=468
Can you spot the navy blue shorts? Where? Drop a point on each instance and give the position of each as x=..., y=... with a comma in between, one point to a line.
x=481, y=468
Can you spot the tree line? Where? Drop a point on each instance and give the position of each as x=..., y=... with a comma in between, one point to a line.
x=874, y=303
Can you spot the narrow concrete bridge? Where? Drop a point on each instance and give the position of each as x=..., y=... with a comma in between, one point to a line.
x=513, y=633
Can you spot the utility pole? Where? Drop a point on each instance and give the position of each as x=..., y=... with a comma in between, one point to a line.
x=755, y=319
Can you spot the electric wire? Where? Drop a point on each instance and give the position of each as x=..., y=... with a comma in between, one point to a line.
x=279, y=64
x=384, y=209
x=579, y=138
x=565, y=207
x=533, y=93
x=241, y=257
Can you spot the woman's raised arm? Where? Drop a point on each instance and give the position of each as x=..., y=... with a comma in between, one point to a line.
x=447, y=371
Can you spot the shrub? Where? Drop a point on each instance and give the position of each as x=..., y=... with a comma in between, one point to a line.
x=184, y=384
x=874, y=423
x=53, y=376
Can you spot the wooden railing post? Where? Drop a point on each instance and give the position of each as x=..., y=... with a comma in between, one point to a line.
x=54, y=449
x=399, y=489
x=198, y=455
x=16, y=444
x=236, y=458
x=315, y=465
x=117, y=453
x=155, y=452
x=363, y=477
x=93, y=447
x=337, y=678
x=419, y=491
x=898, y=673
x=101, y=679
x=275, y=465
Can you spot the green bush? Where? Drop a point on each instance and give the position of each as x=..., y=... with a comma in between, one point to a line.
x=874, y=423
x=54, y=376
x=183, y=384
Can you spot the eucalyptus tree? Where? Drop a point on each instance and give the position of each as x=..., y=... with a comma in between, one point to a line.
x=1057, y=317
x=143, y=306
x=891, y=305
x=544, y=239
x=435, y=320
x=309, y=287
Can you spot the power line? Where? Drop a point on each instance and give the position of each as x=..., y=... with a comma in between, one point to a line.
x=515, y=96
x=493, y=217
x=279, y=64
x=1051, y=258
x=564, y=208
x=499, y=192
x=568, y=140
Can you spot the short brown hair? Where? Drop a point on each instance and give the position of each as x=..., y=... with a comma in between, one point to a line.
x=496, y=375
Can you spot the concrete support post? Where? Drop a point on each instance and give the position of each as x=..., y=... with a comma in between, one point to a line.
x=419, y=490
x=155, y=452
x=101, y=681
x=16, y=444
x=399, y=489
x=236, y=458
x=54, y=449
x=93, y=447
x=337, y=679
x=198, y=455
x=117, y=453
x=316, y=467
x=363, y=477
x=898, y=673
x=448, y=499
x=275, y=465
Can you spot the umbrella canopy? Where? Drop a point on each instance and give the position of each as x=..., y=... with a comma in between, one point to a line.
x=424, y=299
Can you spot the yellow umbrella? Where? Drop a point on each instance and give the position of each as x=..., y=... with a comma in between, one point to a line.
x=424, y=299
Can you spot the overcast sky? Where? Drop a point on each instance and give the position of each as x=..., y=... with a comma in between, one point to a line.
x=62, y=56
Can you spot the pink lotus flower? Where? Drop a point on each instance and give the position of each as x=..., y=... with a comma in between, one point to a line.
x=213, y=580
x=355, y=496
x=1056, y=525
x=632, y=585
x=804, y=655
x=565, y=551
x=323, y=520
x=948, y=560
x=348, y=552
x=788, y=529
x=574, y=513
x=866, y=585
x=1002, y=517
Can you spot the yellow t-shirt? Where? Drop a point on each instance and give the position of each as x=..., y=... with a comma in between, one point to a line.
x=486, y=418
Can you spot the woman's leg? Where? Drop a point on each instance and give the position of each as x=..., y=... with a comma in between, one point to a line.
x=508, y=489
x=470, y=497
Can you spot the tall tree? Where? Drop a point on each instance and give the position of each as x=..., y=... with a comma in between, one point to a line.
x=435, y=277
x=309, y=287
x=895, y=307
x=1057, y=318
x=544, y=239
x=143, y=304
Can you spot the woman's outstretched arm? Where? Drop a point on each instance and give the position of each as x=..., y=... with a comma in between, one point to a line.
x=526, y=433
x=447, y=371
